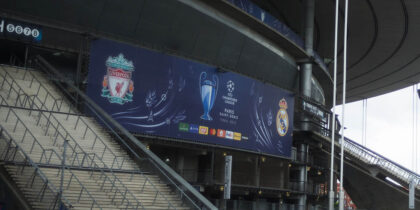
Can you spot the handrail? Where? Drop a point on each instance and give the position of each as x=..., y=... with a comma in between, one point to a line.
x=8, y=140
x=354, y=148
x=42, y=102
x=194, y=197
x=377, y=159
x=106, y=148
x=41, y=88
x=13, y=58
x=59, y=128
x=44, y=156
x=85, y=155
x=27, y=131
x=56, y=104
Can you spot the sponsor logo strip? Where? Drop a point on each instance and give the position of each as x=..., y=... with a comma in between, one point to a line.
x=221, y=133
x=183, y=127
x=203, y=130
x=229, y=134
x=193, y=128
x=237, y=136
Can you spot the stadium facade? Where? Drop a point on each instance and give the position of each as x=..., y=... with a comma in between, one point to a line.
x=197, y=81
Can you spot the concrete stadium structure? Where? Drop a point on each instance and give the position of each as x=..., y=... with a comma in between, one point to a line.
x=285, y=44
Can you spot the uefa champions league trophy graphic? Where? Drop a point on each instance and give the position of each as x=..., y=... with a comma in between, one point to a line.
x=208, y=92
x=150, y=102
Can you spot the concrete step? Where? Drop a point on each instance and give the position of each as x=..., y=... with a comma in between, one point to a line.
x=47, y=94
x=148, y=194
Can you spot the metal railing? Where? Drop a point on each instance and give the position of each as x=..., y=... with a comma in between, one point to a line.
x=187, y=192
x=91, y=160
x=98, y=144
x=15, y=60
x=80, y=157
x=312, y=116
x=48, y=101
x=370, y=157
x=12, y=154
x=33, y=102
x=14, y=149
x=319, y=120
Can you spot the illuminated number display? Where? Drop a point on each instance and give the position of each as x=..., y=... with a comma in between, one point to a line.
x=20, y=30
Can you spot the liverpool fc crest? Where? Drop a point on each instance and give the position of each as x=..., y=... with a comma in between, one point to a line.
x=117, y=84
x=282, y=120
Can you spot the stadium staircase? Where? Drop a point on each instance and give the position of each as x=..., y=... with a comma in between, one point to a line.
x=381, y=166
x=372, y=180
x=61, y=158
x=375, y=182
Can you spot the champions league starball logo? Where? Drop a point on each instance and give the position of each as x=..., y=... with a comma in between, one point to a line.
x=282, y=120
x=230, y=85
x=208, y=92
x=117, y=84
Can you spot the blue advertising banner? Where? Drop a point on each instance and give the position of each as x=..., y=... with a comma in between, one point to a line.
x=157, y=94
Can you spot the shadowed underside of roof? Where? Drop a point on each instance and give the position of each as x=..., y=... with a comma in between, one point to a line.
x=383, y=46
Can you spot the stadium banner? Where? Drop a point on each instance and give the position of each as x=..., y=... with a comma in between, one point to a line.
x=161, y=95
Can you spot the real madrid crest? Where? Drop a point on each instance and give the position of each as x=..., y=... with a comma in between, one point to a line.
x=117, y=84
x=282, y=120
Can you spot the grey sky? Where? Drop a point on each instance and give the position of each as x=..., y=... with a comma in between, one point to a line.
x=389, y=125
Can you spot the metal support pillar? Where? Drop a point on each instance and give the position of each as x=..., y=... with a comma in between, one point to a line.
x=180, y=164
x=306, y=69
x=26, y=56
x=257, y=171
x=63, y=167
x=305, y=89
x=79, y=66
x=212, y=177
x=303, y=176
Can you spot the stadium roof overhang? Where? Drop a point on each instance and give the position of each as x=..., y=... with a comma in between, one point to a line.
x=383, y=47
x=383, y=42
x=172, y=27
x=212, y=32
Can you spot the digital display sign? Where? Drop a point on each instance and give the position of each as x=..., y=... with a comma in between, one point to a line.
x=20, y=30
x=157, y=94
